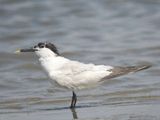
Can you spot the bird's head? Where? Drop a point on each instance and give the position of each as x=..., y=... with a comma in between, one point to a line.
x=42, y=49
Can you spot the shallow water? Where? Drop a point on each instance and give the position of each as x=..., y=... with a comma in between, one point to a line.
x=111, y=32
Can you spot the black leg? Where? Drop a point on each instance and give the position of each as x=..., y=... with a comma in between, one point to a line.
x=74, y=100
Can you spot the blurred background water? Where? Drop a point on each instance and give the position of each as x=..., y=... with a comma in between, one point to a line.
x=111, y=32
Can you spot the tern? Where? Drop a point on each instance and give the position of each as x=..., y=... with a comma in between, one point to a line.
x=75, y=75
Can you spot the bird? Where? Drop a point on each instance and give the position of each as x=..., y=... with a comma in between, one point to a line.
x=75, y=75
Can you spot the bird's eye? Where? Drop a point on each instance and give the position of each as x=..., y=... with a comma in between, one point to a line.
x=41, y=46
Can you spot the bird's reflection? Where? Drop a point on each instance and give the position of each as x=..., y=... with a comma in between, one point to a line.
x=74, y=113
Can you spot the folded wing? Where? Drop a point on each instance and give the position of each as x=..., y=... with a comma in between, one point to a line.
x=119, y=71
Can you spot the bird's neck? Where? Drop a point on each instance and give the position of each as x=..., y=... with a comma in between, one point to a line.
x=52, y=63
x=47, y=58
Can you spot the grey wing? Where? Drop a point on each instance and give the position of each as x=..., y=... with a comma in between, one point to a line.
x=119, y=71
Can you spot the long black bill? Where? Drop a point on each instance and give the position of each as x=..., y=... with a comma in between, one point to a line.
x=27, y=50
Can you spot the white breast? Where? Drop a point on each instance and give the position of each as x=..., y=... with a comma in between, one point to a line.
x=51, y=64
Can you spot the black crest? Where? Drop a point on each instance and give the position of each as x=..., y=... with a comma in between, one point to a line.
x=52, y=47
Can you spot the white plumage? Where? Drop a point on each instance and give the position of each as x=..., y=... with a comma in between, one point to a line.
x=75, y=75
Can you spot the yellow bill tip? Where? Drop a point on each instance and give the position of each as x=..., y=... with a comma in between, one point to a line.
x=17, y=51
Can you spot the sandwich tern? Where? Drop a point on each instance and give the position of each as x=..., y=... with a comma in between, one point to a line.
x=75, y=75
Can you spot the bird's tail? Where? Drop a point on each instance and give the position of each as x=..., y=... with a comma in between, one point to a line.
x=119, y=71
